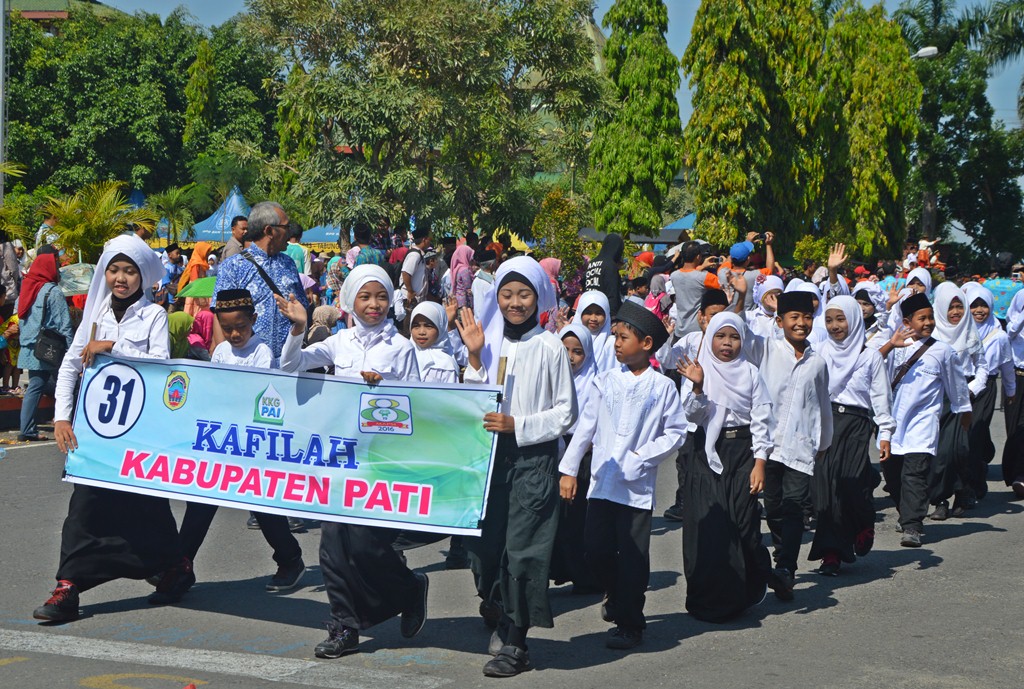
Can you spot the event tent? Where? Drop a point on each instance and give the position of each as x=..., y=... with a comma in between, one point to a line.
x=217, y=228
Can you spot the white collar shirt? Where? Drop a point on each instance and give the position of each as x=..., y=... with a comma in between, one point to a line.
x=868, y=388
x=391, y=356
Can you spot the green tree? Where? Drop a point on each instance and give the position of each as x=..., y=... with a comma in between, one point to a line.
x=200, y=98
x=637, y=151
x=92, y=216
x=174, y=205
x=1000, y=27
x=557, y=228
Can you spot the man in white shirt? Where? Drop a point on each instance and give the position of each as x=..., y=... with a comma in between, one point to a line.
x=414, y=271
x=797, y=381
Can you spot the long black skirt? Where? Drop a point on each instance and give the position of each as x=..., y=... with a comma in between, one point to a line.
x=949, y=469
x=1013, y=450
x=979, y=438
x=842, y=486
x=568, y=562
x=110, y=534
x=725, y=564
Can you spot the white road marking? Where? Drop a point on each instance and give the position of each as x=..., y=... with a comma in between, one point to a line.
x=328, y=674
x=25, y=446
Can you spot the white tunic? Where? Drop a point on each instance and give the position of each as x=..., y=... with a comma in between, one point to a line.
x=633, y=423
x=670, y=355
x=868, y=388
x=696, y=408
x=999, y=360
x=539, y=390
x=392, y=357
x=917, y=402
x=141, y=333
x=254, y=354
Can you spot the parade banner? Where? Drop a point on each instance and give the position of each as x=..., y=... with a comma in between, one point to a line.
x=404, y=455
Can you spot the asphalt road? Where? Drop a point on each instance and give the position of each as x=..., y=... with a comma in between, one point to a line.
x=941, y=616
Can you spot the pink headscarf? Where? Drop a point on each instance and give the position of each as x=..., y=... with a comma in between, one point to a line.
x=201, y=334
x=551, y=266
x=461, y=258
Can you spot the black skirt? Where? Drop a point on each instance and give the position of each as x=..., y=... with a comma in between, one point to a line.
x=843, y=484
x=948, y=466
x=110, y=534
x=725, y=563
x=567, y=559
x=979, y=438
x=1013, y=449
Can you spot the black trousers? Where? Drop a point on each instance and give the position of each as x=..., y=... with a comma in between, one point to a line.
x=617, y=542
x=198, y=517
x=982, y=449
x=683, y=459
x=568, y=562
x=110, y=534
x=1013, y=449
x=366, y=580
x=511, y=558
x=906, y=480
x=785, y=492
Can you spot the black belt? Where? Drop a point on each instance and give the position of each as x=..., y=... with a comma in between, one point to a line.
x=851, y=410
x=731, y=432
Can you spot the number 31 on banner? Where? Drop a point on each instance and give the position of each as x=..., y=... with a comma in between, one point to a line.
x=113, y=400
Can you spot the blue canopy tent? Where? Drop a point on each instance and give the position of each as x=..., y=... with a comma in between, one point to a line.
x=670, y=234
x=684, y=223
x=321, y=234
x=217, y=228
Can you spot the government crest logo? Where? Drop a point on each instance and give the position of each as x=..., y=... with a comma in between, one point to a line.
x=269, y=407
x=390, y=414
x=176, y=390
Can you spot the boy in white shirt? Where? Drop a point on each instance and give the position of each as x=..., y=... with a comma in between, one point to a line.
x=236, y=316
x=796, y=378
x=634, y=420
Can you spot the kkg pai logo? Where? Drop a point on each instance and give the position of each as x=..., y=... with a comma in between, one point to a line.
x=269, y=407
x=176, y=390
x=385, y=414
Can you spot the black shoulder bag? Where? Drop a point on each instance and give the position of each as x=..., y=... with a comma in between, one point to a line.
x=263, y=274
x=51, y=346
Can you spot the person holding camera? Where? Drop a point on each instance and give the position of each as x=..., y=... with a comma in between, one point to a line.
x=690, y=283
x=740, y=265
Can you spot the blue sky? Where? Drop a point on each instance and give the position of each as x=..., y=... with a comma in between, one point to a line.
x=1002, y=89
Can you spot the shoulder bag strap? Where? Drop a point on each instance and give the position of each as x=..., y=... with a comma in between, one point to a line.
x=263, y=274
x=905, y=368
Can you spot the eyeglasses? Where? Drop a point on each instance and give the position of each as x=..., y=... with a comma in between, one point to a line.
x=284, y=226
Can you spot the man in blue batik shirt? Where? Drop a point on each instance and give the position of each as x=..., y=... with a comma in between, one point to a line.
x=268, y=232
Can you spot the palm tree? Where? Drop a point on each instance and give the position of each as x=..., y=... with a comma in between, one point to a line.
x=175, y=205
x=9, y=221
x=998, y=29
x=93, y=215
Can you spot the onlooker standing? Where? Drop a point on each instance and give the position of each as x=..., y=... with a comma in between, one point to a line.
x=46, y=234
x=298, y=253
x=689, y=283
x=239, y=226
x=41, y=305
x=10, y=269
x=414, y=271
x=1004, y=286
x=603, y=271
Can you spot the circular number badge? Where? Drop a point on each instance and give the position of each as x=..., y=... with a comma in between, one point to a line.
x=114, y=400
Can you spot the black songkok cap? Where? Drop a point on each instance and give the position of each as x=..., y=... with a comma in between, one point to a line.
x=713, y=297
x=644, y=321
x=914, y=303
x=233, y=300
x=795, y=301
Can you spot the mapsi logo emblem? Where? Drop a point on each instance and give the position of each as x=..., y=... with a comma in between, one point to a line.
x=385, y=414
x=269, y=407
x=176, y=390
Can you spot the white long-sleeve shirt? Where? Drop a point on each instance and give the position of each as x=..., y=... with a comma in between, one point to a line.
x=670, y=355
x=917, y=401
x=869, y=389
x=141, y=333
x=254, y=354
x=801, y=409
x=974, y=367
x=539, y=390
x=633, y=423
x=1014, y=326
x=393, y=357
x=999, y=360
x=696, y=408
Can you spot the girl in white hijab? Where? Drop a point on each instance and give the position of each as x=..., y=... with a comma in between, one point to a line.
x=725, y=564
x=874, y=310
x=919, y=280
x=429, y=333
x=109, y=534
x=513, y=554
x=818, y=334
x=766, y=293
x=367, y=582
x=844, y=479
x=596, y=303
x=951, y=472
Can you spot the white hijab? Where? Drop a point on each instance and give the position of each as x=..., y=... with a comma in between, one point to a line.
x=151, y=269
x=728, y=385
x=583, y=379
x=763, y=285
x=437, y=356
x=604, y=341
x=875, y=294
x=974, y=292
x=841, y=357
x=962, y=337
x=367, y=335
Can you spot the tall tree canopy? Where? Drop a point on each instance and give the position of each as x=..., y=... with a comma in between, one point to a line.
x=638, y=151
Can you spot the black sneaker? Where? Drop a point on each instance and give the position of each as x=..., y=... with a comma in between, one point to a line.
x=251, y=522
x=864, y=542
x=415, y=616
x=911, y=539
x=1018, y=487
x=674, y=513
x=287, y=576
x=340, y=641
x=498, y=637
x=61, y=606
x=964, y=501
x=509, y=662
x=781, y=581
x=624, y=639
x=174, y=584
x=607, y=611
x=829, y=565
x=491, y=612
x=941, y=512
x=296, y=525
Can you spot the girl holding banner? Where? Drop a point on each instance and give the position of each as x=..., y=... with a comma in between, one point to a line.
x=111, y=534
